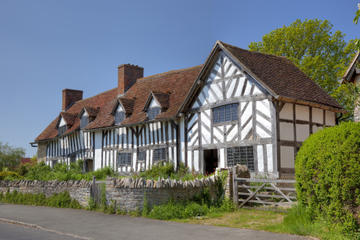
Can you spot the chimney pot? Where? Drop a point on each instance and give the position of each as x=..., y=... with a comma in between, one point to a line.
x=69, y=97
x=127, y=76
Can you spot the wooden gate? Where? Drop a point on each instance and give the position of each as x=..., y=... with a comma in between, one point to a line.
x=95, y=191
x=256, y=191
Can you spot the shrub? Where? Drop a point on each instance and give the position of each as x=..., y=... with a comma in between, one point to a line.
x=327, y=175
x=167, y=170
x=9, y=175
x=61, y=172
x=60, y=200
x=168, y=211
x=195, y=210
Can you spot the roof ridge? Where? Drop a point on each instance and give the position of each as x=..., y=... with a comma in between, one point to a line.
x=257, y=52
x=168, y=72
x=96, y=95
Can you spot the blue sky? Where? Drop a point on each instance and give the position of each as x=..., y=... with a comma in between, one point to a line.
x=46, y=46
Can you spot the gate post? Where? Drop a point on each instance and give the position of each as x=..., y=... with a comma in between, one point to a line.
x=235, y=187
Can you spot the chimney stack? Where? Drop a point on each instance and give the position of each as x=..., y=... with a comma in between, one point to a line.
x=127, y=76
x=69, y=97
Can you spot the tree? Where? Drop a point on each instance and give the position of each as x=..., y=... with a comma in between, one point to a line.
x=356, y=19
x=312, y=46
x=9, y=156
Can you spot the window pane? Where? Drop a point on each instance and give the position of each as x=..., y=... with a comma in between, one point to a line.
x=142, y=156
x=119, y=117
x=241, y=155
x=124, y=159
x=62, y=130
x=84, y=121
x=153, y=112
x=225, y=113
x=159, y=154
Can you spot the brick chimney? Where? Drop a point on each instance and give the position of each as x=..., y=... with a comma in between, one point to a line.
x=69, y=97
x=127, y=76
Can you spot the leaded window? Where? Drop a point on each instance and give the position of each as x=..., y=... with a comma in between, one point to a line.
x=54, y=162
x=124, y=159
x=241, y=155
x=72, y=158
x=159, y=154
x=119, y=117
x=225, y=113
x=84, y=121
x=61, y=130
x=153, y=112
x=142, y=156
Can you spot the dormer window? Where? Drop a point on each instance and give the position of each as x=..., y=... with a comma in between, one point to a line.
x=119, y=115
x=62, y=127
x=156, y=103
x=152, y=112
x=87, y=115
x=122, y=109
x=84, y=120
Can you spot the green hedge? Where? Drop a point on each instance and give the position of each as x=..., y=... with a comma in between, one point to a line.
x=328, y=175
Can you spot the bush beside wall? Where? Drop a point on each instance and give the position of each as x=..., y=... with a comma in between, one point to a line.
x=328, y=175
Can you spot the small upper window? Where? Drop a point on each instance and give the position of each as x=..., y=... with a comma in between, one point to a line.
x=119, y=115
x=62, y=127
x=84, y=121
x=153, y=112
x=225, y=113
x=62, y=130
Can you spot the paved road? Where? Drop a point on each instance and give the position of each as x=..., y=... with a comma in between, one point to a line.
x=17, y=232
x=81, y=224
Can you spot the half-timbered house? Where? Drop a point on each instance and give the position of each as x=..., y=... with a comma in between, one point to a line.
x=352, y=75
x=238, y=107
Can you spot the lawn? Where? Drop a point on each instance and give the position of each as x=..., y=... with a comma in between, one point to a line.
x=270, y=220
x=243, y=218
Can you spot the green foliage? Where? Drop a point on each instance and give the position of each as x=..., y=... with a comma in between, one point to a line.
x=174, y=210
x=167, y=170
x=9, y=175
x=299, y=221
x=327, y=175
x=314, y=47
x=92, y=204
x=356, y=20
x=10, y=157
x=146, y=207
x=103, y=200
x=61, y=172
x=60, y=200
x=347, y=94
x=190, y=209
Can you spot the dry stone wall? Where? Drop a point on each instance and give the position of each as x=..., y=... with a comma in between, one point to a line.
x=128, y=194
x=79, y=190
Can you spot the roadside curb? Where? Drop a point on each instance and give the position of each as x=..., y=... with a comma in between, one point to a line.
x=35, y=226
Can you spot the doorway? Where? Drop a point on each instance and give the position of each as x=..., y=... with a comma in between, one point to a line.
x=210, y=160
x=89, y=165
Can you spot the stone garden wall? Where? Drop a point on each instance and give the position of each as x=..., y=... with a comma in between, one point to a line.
x=79, y=190
x=127, y=193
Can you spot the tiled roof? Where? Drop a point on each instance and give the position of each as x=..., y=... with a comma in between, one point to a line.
x=175, y=84
x=281, y=76
x=170, y=89
x=94, y=102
